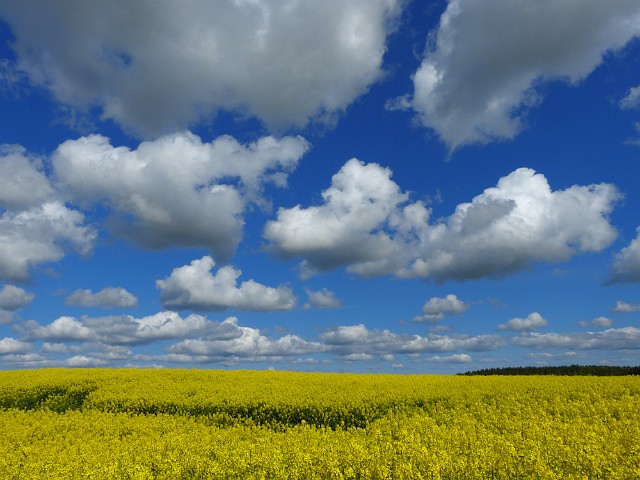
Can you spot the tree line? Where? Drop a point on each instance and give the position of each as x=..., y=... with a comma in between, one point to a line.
x=595, y=370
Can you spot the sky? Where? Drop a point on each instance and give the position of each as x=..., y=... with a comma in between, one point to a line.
x=366, y=186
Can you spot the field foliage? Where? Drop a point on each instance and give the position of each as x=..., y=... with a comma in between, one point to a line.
x=198, y=424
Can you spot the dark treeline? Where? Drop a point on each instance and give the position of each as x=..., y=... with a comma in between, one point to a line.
x=597, y=370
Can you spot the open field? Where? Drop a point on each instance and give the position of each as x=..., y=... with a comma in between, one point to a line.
x=172, y=424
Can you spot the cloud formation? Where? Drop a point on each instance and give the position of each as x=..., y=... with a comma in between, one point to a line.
x=12, y=298
x=35, y=225
x=249, y=343
x=176, y=190
x=127, y=330
x=347, y=340
x=481, y=71
x=157, y=66
x=324, y=298
x=611, y=339
x=11, y=346
x=532, y=322
x=22, y=183
x=624, y=307
x=367, y=225
x=599, y=322
x=456, y=358
x=347, y=228
x=116, y=340
x=437, y=307
x=110, y=297
x=626, y=263
x=40, y=234
x=195, y=287
x=631, y=99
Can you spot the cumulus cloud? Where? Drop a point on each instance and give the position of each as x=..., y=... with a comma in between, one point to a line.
x=521, y=220
x=480, y=72
x=624, y=307
x=532, y=322
x=348, y=228
x=109, y=297
x=40, y=234
x=82, y=361
x=12, y=298
x=176, y=190
x=194, y=287
x=324, y=298
x=603, y=322
x=346, y=340
x=128, y=330
x=249, y=343
x=367, y=225
x=436, y=308
x=35, y=225
x=156, y=67
x=626, y=263
x=22, y=183
x=457, y=358
x=11, y=346
x=611, y=339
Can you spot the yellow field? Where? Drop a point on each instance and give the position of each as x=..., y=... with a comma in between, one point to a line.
x=184, y=424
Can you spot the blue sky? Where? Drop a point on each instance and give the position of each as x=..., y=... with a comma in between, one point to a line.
x=368, y=186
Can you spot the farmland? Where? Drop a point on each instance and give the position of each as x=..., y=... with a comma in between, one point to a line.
x=168, y=424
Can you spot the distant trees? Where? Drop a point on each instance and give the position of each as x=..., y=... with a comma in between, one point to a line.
x=595, y=370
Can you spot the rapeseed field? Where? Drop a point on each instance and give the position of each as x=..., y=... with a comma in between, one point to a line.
x=204, y=424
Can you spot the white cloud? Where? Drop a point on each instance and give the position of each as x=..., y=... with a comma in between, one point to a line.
x=519, y=221
x=22, y=183
x=366, y=224
x=347, y=228
x=248, y=344
x=357, y=357
x=287, y=63
x=611, y=339
x=324, y=298
x=436, y=308
x=195, y=287
x=632, y=99
x=13, y=298
x=61, y=329
x=40, y=234
x=345, y=340
x=176, y=190
x=626, y=263
x=457, y=358
x=128, y=330
x=35, y=225
x=624, y=307
x=11, y=346
x=532, y=322
x=479, y=76
x=109, y=297
x=82, y=361
x=603, y=322
x=561, y=356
